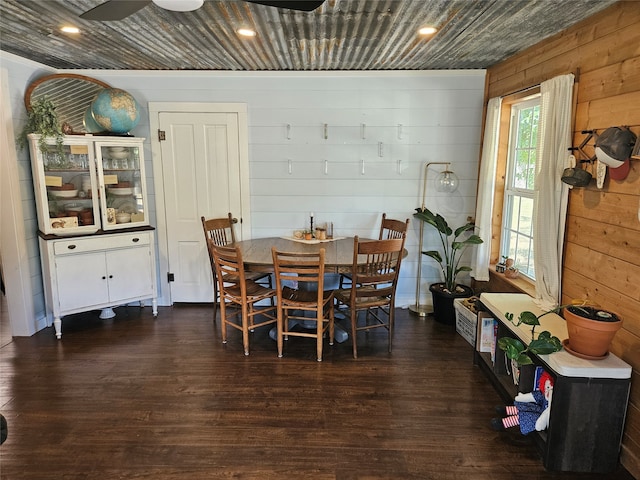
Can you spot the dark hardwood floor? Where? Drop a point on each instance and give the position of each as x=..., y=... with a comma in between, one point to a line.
x=135, y=397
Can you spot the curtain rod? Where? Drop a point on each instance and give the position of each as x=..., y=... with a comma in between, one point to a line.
x=575, y=73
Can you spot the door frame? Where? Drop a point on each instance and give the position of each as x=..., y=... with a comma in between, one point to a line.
x=13, y=238
x=155, y=108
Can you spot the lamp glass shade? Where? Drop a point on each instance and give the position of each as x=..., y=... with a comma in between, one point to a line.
x=447, y=182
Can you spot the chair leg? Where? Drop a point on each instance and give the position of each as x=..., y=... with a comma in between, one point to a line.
x=354, y=325
x=332, y=331
x=391, y=320
x=319, y=330
x=245, y=329
x=215, y=299
x=223, y=322
x=280, y=329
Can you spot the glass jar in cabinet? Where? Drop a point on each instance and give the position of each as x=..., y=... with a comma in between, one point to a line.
x=65, y=186
x=123, y=190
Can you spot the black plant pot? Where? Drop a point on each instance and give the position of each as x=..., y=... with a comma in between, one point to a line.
x=443, y=310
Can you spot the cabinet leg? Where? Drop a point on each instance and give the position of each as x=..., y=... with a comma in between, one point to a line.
x=154, y=306
x=57, y=324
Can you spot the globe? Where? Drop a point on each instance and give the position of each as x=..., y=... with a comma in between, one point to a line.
x=90, y=125
x=115, y=110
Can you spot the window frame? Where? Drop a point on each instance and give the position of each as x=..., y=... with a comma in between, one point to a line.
x=525, y=283
x=514, y=194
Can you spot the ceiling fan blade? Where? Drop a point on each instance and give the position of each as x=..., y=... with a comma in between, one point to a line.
x=301, y=5
x=114, y=10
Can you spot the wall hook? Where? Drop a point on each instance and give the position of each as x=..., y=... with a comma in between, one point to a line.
x=288, y=131
x=325, y=131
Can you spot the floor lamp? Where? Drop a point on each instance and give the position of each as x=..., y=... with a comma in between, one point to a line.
x=446, y=182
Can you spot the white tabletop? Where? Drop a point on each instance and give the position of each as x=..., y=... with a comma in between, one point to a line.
x=562, y=362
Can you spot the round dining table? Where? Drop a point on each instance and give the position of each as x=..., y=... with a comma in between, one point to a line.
x=256, y=253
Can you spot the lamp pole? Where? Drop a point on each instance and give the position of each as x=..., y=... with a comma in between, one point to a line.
x=423, y=310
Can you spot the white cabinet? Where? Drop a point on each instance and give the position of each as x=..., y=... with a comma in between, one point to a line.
x=97, y=249
x=89, y=184
x=98, y=271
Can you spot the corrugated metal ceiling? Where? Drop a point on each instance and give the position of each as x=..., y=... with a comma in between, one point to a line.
x=340, y=35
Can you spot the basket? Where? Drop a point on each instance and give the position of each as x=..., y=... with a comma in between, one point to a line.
x=466, y=321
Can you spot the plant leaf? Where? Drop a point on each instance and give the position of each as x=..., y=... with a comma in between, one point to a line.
x=524, y=359
x=529, y=318
x=464, y=228
x=434, y=254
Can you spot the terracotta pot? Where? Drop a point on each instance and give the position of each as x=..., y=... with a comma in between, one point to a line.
x=590, y=337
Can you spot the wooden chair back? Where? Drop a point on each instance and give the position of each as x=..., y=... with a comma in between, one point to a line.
x=378, y=275
x=391, y=228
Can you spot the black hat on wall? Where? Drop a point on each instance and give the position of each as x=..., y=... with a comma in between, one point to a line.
x=613, y=148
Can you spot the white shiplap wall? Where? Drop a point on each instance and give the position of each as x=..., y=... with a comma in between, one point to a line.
x=440, y=114
x=20, y=73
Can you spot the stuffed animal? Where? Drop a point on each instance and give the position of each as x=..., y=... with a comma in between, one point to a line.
x=530, y=411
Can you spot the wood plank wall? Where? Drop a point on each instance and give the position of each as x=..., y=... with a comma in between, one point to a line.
x=602, y=251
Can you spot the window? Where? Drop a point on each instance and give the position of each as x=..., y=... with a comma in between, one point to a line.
x=517, y=223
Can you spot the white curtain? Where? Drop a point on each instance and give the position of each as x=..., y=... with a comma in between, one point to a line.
x=551, y=196
x=486, y=187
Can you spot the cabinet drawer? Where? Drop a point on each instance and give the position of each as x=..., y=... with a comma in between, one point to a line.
x=101, y=242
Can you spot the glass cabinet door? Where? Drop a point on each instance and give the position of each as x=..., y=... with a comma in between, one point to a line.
x=121, y=172
x=65, y=190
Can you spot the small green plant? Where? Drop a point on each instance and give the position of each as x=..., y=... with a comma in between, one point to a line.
x=543, y=345
x=452, y=247
x=43, y=120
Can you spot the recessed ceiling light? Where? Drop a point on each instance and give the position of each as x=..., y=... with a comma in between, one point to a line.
x=427, y=30
x=246, y=32
x=70, y=29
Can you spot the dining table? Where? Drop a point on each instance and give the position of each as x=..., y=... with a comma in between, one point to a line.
x=256, y=253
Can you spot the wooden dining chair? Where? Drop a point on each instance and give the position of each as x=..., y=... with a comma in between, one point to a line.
x=220, y=232
x=300, y=289
x=389, y=228
x=374, y=273
x=239, y=296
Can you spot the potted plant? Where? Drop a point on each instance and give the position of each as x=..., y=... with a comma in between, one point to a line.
x=43, y=120
x=544, y=344
x=454, y=244
x=590, y=330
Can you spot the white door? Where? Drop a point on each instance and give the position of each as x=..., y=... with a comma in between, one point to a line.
x=201, y=177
